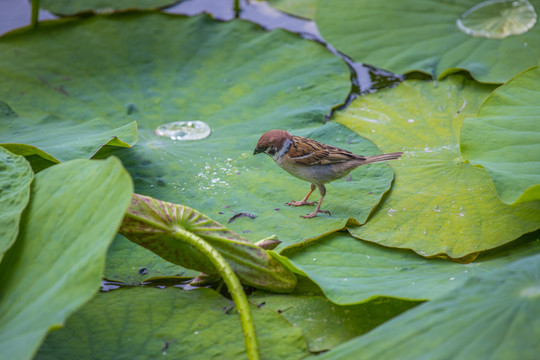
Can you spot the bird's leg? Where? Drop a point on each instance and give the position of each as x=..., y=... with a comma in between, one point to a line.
x=304, y=200
x=322, y=190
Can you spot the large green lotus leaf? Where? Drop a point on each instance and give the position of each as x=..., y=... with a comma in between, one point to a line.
x=505, y=138
x=492, y=316
x=423, y=35
x=302, y=8
x=61, y=140
x=350, y=271
x=136, y=67
x=255, y=186
x=15, y=178
x=324, y=324
x=57, y=262
x=150, y=323
x=70, y=7
x=439, y=203
x=132, y=264
x=162, y=227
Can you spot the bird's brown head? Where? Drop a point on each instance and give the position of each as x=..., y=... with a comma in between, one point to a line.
x=271, y=142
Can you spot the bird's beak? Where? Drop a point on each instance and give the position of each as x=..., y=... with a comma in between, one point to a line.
x=257, y=151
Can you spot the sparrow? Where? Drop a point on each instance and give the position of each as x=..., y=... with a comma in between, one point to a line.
x=313, y=161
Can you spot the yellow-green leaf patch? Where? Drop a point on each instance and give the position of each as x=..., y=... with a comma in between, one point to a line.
x=439, y=203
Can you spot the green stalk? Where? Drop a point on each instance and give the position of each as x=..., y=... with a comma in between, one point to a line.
x=233, y=284
x=35, y=14
x=237, y=8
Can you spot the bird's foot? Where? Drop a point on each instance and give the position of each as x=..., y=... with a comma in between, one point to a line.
x=313, y=214
x=300, y=203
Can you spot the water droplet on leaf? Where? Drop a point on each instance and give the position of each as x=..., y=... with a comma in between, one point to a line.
x=184, y=130
x=498, y=19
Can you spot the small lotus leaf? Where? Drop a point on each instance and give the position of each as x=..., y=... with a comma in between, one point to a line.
x=57, y=261
x=505, y=138
x=492, y=316
x=15, y=178
x=439, y=204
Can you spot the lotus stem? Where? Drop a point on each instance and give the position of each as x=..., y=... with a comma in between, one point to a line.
x=233, y=284
x=237, y=8
x=35, y=14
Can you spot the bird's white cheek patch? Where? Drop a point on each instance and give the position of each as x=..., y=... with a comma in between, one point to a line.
x=283, y=150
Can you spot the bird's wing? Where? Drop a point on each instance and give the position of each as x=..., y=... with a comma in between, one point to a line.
x=310, y=152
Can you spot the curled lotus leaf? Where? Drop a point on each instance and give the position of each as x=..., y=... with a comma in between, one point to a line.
x=159, y=226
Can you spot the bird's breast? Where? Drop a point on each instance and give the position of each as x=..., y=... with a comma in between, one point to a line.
x=316, y=174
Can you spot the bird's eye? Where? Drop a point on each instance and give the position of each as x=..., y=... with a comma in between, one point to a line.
x=271, y=150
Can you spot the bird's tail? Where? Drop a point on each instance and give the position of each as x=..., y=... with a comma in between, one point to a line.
x=382, y=157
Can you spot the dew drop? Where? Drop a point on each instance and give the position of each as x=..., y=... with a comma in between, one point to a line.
x=498, y=19
x=531, y=292
x=184, y=130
